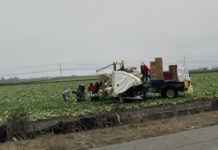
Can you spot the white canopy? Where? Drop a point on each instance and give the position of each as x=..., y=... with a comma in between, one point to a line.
x=122, y=81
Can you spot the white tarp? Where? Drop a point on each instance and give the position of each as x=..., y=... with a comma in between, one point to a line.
x=183, y=74
x=122, y=81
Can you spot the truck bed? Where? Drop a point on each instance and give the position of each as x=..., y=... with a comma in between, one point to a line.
x=158, y=85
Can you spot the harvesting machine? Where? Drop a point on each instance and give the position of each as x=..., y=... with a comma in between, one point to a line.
x=126, y=83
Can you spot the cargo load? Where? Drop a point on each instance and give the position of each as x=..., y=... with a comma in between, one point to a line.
x=156, y=69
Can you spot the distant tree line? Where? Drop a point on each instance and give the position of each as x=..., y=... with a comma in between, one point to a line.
x=204, y=69
x=11, y=79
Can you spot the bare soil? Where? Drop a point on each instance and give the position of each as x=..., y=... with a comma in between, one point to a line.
x=123, y=133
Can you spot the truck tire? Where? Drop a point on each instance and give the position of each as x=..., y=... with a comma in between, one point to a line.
x=171, y=93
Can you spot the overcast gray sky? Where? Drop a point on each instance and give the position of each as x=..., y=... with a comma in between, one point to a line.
x=38, y=32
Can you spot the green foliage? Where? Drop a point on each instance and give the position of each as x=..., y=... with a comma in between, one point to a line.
x=44, y=100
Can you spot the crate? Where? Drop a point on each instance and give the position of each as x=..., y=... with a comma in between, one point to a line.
x=166, y=75
x=159, y=60
x=173, y=72
x=156, y=69
x=104, y=77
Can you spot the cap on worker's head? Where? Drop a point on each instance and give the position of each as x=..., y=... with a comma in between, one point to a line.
x=122, y=62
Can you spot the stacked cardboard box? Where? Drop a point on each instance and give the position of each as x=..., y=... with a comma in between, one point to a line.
x=166, y=75
x=173, y=72
x=156, y=69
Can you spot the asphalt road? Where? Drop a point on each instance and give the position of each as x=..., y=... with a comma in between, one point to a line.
x=196, y=139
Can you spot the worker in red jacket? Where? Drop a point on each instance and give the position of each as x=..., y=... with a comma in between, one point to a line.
x=144, y=71
x=92, y=88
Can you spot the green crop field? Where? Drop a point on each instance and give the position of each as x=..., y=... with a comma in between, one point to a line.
x=45, y=100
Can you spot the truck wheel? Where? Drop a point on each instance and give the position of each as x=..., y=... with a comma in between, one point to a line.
x=171, y=93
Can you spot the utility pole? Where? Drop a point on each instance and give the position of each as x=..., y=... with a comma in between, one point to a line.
x=60, y=69
x=114, y=66
x=184, y=61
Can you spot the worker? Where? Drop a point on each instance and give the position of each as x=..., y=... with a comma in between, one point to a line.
x=80, y=93
x=82, y=89
x=144, y=71
x=101, y=91
x=97, y=87
x=100, y=84
x=92, y=88
x=122, y=65
x=66, y=94
x=92, y=91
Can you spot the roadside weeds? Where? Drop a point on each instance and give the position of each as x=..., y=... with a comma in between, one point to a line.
x=123, y=133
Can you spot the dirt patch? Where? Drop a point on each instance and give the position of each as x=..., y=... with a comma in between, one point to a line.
x=124, y=133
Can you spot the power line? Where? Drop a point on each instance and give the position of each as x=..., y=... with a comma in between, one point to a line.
x=14, y=74
x=26, y=67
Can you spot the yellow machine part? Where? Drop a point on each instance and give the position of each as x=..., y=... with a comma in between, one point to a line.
x=190, y=89
x=186, y=84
